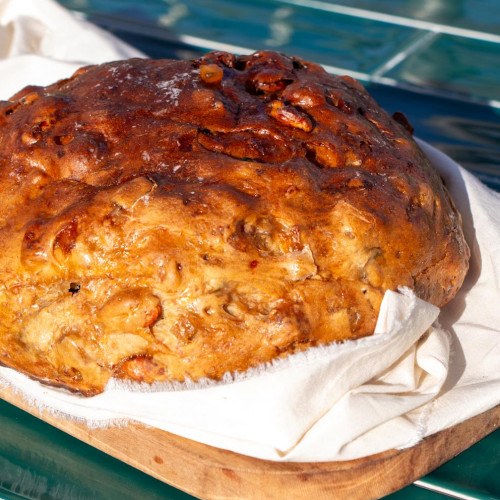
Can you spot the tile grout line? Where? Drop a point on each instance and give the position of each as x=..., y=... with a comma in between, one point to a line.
x=445, y=491
x=393, y=19
x=399, y=57
x=214, y=45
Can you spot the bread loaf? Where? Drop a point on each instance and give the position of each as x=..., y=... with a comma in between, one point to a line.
x=167, y=220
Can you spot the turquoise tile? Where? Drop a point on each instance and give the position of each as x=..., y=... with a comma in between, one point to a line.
x=344, y=42
x=40, y=462
x=478, y=15
x=474, y=473
x=355, y=44
x=454, y=66
x=144, y=11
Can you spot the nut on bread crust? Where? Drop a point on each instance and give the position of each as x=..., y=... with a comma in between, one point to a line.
x=164, y=220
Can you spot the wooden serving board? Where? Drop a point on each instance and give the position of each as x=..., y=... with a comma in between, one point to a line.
x=211, y=473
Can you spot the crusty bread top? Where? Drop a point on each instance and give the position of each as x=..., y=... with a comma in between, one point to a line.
x=164, y=220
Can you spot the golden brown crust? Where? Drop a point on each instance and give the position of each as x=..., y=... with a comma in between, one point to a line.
x=170, y=219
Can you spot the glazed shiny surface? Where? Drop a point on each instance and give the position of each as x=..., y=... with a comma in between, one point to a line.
x=171, y=220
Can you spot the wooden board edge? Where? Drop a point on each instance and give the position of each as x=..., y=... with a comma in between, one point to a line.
x=215, y=474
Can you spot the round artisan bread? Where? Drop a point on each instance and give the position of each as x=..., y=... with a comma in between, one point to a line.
x=171, y=220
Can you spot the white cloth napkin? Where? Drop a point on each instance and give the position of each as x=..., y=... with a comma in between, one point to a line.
x=41, y=42
x=410, y=379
